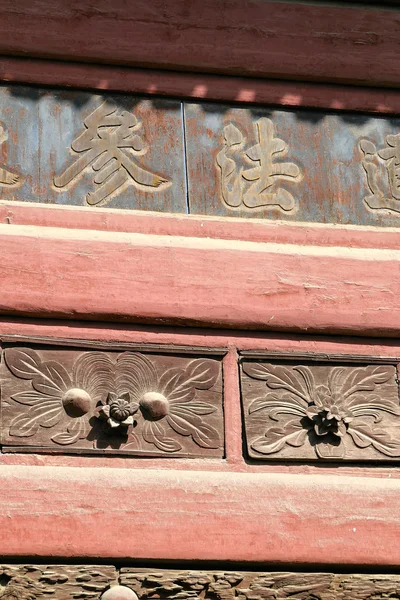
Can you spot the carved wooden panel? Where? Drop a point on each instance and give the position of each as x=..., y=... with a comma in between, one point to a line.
x=58, y=582
x=297, y=166
x=69, y=582
x=127, y=402
x=242, y=585
x=91, y=150
x=311, y=411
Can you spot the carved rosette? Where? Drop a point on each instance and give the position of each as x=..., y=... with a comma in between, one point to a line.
x=129, y=401
x=321, y=411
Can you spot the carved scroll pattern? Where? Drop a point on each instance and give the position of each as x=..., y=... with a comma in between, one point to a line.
x=69, y=582
x=337, y=412
x=129, y=401
x=231, y=585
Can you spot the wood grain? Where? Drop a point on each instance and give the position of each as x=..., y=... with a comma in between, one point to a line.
x=242, y=585
x=148, y=514
x=198, y=86
x=61, y=582
x=37, y=582
x=287, y=40
x=217, y=283
x=64, y=400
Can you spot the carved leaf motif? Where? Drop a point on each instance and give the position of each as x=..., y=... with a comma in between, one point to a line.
x=203, y=434
x=276, y=438
x=363, y=436
x=373, y=405
x=364, y=379
x=179, y=386
x=298, y=381
x=22, y=362
x=78, y=429
x=154, y=433
x=95, y=373
x=29, y=397
x=46, y=414
x=278, y=405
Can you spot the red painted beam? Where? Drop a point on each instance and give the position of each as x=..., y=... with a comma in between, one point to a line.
x=99, y=275
x=243, y=37
x=199, y=86
x=170, y=515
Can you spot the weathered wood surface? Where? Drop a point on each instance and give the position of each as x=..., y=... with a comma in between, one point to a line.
x=58, y=399
x=198, y=86
x=123, y=152
x=242, y=585
x=61, y=582
x=84, y=149
x=267, y=163
x=270, y=39
x=321, y=410
x=68, y=582
x=251, y=230
x=78, y=274
x=145, y=514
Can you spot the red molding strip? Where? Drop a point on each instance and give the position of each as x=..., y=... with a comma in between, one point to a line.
x=198, y=87
x=78, y=274
x=170, y=515
x=247, y=38
x=252, y=230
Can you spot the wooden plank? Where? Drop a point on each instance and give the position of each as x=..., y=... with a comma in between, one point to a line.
x=304, y=166
x=256, y=230
x=89, y=149
x=62, y=399
x=297, y=410
x=198, y=86
x=37, y=582
x=292, y=519
x=247, y=585
x=218, y=283
x=258, y=38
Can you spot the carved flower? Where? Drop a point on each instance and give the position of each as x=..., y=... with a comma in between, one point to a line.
x=168, y=403
x=325, y=415
x=118, y=411
x=328, y=414
x=58, y=398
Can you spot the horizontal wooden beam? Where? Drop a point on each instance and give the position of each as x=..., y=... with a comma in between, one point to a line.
x=170, y=515
x=199, y=86
x=248, y=38
x=161, y=279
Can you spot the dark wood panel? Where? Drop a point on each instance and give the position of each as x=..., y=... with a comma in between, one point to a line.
x=129, y=402
x=241, y=585
x=60, y=582
x=37, y=582
x=296, y=410
x=273, y=39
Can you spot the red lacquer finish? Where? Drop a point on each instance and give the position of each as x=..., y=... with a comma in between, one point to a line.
x=265, y=518
x=267, y=39
x=214, y=283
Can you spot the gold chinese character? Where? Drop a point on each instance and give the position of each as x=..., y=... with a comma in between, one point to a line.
x=7, y=177
x=108, y=146
x=382, y=168
x=258, y=185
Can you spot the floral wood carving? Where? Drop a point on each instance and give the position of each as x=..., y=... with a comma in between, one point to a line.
x=128, y=402
x=321, y=411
